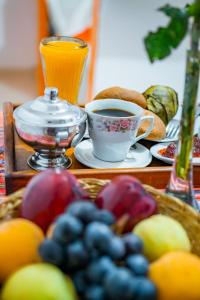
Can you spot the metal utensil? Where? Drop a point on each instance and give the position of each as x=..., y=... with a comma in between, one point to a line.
x=173, y=129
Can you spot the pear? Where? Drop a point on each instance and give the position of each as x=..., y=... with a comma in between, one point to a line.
x=162, y=234
x=38, y=282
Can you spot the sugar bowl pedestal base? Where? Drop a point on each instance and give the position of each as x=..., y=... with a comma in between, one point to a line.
x=42, y=161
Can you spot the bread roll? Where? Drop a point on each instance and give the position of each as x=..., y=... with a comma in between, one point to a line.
x=117, y=92
x=159, y=130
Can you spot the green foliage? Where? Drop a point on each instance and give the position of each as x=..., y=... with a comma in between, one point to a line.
x=159, y=44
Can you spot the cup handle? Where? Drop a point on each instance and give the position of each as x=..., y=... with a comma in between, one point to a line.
x=149, y=129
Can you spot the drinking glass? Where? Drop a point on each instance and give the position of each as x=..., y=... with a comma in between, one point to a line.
x=63, y=60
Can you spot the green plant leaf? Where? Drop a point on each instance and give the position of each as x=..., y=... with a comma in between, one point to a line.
x=172, y=11
x=159, y=44
x=193, y=9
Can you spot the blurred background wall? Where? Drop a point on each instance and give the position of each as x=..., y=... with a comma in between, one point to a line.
x=121, y=58
x=18, y=56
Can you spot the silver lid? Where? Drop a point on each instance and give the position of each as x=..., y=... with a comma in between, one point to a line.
x=49, y=111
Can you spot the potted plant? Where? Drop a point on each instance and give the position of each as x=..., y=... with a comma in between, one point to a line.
x=159, y=45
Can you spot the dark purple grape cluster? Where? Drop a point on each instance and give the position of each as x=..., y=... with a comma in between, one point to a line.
x=102, y=265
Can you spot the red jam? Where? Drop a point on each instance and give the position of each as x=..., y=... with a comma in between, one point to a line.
x=170, y=150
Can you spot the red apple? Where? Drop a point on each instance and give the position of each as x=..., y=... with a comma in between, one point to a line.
x=48, y=194
x=126, y=198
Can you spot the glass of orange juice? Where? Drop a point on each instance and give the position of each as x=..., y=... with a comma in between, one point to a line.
x=63, y=60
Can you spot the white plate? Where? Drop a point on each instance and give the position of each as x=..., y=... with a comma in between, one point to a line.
x=137, y=158
x=166, y=140
x=155, y=152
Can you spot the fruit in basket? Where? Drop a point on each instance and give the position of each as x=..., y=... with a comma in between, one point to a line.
x=138, y=264
x=162, y=234
x=68, y=229
x=177, y=276
x=19, y=242
x=163, y=101
x=133, y=243
x=102, y=265
x=38, y=282
x=84, y=212
x=120, y=285
x=48, y=194
x=125, y=197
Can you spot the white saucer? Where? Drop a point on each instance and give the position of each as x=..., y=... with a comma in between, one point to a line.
x=155, y=152
x=139, y=157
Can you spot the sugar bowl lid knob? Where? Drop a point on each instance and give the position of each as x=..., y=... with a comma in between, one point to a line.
x=51, y=93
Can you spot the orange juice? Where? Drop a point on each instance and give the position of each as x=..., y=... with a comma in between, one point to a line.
x=63, y=60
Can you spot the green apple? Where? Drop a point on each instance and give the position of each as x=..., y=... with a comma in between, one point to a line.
x=38, y=282
x=162, y=234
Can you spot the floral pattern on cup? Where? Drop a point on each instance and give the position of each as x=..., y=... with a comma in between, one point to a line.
x=121, y=125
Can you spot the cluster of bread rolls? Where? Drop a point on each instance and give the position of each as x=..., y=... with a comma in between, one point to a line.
x=159, y=130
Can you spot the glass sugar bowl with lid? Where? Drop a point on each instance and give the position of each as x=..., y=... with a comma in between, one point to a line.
x=50, y=126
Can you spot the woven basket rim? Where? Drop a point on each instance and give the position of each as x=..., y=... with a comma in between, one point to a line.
x=167, y=205
x=101, y=182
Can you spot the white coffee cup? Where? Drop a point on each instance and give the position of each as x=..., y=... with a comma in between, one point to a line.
x=111, y=136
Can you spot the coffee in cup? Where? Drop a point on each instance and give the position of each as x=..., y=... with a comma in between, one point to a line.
x=113, y=125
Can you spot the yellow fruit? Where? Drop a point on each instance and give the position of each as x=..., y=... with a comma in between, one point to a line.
x=38, y=282
x=162, y=234
x=19, y=242
x=177, y=276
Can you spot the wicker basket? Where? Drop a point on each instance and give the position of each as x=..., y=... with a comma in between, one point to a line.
x=167, y=205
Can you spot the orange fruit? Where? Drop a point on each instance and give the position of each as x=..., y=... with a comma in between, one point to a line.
x=19, y=242
x=177, y=276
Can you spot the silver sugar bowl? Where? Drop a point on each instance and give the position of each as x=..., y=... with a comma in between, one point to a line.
x=50, y=126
